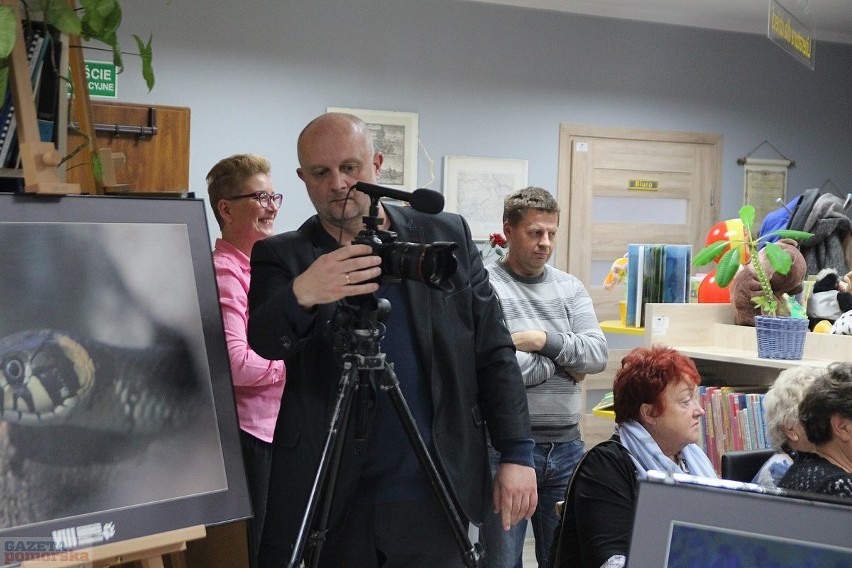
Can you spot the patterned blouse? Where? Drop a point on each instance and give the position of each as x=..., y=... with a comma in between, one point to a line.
x=815, y=474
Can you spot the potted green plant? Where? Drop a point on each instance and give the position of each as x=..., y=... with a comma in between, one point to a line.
x=97, y=20
x=766, y=301
x=94, y=20
x=729, y=263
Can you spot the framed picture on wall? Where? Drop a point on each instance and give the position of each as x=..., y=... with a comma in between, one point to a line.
x=765, y=185
x=395, y=136
x=475, y=188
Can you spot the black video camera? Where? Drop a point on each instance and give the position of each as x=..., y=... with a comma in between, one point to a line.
x=433, y=264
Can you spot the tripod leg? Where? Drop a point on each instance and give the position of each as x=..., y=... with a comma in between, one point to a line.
x=326, y=471
x=471, y=554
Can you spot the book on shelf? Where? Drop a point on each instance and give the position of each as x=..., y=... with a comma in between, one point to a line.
x=39, y=44
x=7, y=112
x=51, y=86
x=656, y=273
x=733, y=421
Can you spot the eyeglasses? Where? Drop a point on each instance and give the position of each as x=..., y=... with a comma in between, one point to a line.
x=262, y=197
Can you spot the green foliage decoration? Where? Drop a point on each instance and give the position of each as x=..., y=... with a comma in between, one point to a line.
x=729, y=264
x=94, y=20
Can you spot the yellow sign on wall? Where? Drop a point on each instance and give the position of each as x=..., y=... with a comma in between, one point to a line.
x=643, y=184
x=791, y=34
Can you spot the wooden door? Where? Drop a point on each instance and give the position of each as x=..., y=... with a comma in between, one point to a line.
x=619, y=186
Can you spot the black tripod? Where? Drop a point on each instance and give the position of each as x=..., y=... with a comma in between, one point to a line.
x=359, y=332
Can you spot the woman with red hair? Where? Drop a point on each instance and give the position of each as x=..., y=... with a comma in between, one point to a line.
x=657, y=413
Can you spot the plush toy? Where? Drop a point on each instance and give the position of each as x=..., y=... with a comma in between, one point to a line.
x=843, y=325
x=745, y=285
x=617, y=273
x=831, y=299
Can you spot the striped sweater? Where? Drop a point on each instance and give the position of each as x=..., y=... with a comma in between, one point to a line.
x=557, y=303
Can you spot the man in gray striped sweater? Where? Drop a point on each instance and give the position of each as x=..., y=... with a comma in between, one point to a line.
x=558, y=340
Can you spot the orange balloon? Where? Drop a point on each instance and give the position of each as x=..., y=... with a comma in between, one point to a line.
x=710, y=293
x=731, y=230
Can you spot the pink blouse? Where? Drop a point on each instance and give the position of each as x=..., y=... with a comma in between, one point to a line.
x=258, y=382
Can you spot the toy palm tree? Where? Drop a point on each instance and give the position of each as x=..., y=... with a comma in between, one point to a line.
x=729, y=263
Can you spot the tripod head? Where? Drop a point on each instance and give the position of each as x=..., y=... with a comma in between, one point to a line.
x=358, y=325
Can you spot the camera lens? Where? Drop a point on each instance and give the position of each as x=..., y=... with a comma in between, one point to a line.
x=433, y=264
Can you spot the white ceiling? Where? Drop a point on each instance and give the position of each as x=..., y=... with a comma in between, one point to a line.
x=829, y=20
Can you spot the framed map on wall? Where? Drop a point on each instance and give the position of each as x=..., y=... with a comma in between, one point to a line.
x=475, y=188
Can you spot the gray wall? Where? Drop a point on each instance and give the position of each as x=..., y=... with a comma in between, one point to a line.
x=486, y=80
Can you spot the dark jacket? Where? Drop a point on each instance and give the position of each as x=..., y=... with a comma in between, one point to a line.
x=597, y=518
x=466, y=351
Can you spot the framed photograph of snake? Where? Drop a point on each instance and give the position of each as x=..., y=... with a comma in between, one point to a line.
x=117, y=417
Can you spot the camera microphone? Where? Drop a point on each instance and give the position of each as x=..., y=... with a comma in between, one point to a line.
x=423, y=200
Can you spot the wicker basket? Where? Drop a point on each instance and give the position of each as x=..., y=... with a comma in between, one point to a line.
x=780, y=337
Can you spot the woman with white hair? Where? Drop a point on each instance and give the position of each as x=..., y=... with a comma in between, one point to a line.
x=785, y=432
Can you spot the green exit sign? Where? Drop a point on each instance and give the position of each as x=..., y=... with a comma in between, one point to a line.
x=101, y=78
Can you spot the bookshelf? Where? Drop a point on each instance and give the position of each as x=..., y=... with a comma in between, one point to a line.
x=34, y=88
x=726, y=356
x=706, y=332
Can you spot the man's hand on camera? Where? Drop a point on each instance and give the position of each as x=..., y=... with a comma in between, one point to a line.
x=515, y=496
x=344, y=272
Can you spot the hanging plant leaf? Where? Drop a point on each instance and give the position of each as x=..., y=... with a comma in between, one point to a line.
x=61, y=16
x=147, y=56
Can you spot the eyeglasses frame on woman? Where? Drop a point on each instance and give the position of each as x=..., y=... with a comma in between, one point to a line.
x=262, y=197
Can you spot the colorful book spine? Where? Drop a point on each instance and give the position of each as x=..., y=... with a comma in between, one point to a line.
x=746, y=427
x=7, y=114
x=732, y=421
x=760, y=414
x=735, y=442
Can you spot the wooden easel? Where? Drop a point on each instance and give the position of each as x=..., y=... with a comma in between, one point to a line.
x=148, y=550
x=40, y=159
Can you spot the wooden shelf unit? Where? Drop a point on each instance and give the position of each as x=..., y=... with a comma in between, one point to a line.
x=707, y=332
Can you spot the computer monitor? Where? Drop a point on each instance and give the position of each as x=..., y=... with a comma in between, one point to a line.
x=690, y=522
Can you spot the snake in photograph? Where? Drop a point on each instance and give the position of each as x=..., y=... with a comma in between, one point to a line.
x=49, y=378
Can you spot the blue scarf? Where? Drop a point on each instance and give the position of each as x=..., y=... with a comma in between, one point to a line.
x=647, y=454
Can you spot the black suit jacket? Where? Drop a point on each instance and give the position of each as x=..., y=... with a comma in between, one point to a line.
x=467, y=353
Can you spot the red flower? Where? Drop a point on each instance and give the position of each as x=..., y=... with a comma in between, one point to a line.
x=497, y=240
x=496, y=244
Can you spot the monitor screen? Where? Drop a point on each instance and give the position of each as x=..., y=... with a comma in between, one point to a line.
x=694, y=523
x=117, y=416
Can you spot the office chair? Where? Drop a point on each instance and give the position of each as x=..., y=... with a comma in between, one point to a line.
x=744, y=465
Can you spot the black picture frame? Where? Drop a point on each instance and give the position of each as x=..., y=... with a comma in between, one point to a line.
x=128, y=275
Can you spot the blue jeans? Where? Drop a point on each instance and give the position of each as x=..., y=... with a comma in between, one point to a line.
x=554, y=465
